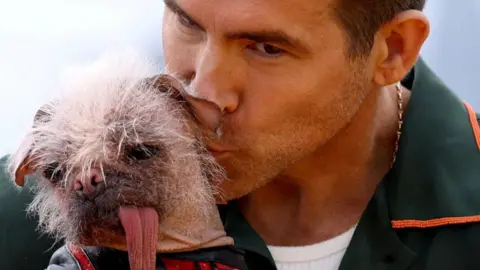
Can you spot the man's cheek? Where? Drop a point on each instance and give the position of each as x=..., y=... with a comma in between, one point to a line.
x=180, y=58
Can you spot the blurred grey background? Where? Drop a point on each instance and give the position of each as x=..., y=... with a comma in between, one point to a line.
x=38, y=39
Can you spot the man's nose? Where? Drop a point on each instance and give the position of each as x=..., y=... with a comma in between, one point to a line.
x=214, y=87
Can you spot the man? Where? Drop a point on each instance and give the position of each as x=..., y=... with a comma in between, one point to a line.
x=343, y=149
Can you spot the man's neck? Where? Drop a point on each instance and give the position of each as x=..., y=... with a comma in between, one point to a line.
x=325, y=194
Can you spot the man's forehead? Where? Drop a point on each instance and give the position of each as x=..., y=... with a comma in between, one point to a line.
x=296, y=18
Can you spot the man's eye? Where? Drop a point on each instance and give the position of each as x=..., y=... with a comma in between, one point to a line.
x=186, y=22
x=266, y=49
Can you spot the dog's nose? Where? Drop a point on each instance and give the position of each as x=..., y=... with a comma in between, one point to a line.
x=91, y=185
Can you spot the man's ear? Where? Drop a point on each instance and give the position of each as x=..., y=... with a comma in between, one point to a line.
x=397, y=46
x=20, y=162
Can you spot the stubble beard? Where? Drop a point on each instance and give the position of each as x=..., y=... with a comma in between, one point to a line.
x=255, y=168
x=249, y=174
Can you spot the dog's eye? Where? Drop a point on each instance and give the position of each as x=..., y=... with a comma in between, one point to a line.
x=142, y=152
x=53, y=172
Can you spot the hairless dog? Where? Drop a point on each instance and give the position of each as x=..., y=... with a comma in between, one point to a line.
x=122, y=174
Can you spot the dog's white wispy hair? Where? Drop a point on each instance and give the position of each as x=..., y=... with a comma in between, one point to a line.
x=103, y=107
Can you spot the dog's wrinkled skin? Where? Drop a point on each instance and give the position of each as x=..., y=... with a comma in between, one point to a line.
x=139, y=134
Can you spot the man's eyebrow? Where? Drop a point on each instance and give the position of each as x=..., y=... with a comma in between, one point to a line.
x=275, y=36
x=173, y=6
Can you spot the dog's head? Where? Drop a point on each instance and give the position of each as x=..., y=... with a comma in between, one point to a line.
x=120, y=136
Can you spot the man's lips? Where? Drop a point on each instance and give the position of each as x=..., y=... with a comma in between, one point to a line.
x=217, y=155
x=217, y=150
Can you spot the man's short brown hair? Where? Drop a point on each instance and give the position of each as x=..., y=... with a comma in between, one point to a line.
x=362, y=18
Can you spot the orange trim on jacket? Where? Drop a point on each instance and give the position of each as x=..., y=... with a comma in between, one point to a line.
x=436, y=222
x=474, y=123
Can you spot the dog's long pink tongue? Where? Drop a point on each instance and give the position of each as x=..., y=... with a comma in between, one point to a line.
x=141, y=228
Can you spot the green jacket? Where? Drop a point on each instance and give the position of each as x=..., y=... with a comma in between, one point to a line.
x=425, y=214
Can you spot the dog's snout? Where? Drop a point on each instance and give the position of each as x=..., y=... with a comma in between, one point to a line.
x=91, y=185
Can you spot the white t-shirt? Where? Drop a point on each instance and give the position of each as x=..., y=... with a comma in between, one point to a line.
x=325, y=255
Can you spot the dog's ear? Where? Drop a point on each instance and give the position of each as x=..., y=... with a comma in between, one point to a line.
x=209, y=115
x=20, y=162
x=165, y=83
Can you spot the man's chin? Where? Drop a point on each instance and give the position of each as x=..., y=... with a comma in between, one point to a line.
x=236, y=188
x=245, y=174
x=228, y=192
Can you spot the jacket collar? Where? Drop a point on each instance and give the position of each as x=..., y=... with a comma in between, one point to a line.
x=246, y=238
x=436, y=179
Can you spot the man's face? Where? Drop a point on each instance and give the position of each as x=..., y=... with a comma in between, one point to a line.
x=278, y=69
